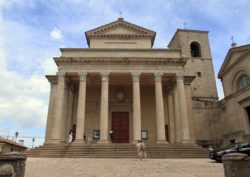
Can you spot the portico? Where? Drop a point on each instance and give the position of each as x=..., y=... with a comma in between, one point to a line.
x=86, y=112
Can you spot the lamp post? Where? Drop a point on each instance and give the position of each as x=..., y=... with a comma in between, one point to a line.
x=33, y=140
x=16, y=135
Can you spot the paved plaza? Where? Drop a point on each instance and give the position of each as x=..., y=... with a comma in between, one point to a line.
x=87, y=167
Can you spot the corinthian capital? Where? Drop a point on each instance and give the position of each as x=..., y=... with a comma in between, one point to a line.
x=157, y=76
x=136, y=76
x=83, y=76
x=105, y=76
x=179, y=76
x=60, y=76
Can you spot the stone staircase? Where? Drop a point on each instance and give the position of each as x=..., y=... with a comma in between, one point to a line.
x=117, y=151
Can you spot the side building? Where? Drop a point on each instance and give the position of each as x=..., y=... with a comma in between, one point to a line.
x=234, y=109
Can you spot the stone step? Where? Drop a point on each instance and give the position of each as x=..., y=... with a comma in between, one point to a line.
x=117, y=151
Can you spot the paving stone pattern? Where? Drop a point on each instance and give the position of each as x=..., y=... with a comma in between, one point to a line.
x=87, y=167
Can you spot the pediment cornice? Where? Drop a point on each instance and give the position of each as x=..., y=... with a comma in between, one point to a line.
x=227, y=64
x=137, y=31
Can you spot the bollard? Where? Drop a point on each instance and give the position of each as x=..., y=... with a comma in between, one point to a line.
x=236, y=165
x=12, y=164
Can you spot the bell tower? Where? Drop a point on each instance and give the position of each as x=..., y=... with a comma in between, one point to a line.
x=195, y=48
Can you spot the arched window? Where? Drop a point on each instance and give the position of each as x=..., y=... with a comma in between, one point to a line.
x=195, y=49
x=244, y=81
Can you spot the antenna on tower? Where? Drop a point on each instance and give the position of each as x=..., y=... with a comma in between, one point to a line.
x=185, y=25
x=233, y=45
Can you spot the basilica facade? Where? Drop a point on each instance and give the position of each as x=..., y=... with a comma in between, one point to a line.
x=121, y=83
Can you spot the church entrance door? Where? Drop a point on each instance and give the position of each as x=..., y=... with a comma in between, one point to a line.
x=120, y=125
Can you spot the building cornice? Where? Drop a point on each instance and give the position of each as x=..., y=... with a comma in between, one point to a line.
x=188, y=79
x=123, y=60
x=119, y=49
x=53, y=79
x=234, y=95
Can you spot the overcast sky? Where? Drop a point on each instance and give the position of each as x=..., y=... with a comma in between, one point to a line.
x=32, y=31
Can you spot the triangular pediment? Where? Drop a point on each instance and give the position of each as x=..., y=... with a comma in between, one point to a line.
x=233, y=56
x=119, y=29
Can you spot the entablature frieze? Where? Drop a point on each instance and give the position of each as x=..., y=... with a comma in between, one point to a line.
x=120, y=68
x=119, y=61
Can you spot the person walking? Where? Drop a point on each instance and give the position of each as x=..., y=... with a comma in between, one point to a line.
x=144, y=150
x=139, y=147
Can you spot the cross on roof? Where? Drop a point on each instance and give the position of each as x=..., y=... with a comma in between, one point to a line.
x=232, y=38
x=120, y=14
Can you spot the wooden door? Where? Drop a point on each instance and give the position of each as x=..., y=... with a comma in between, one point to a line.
x=120, y=125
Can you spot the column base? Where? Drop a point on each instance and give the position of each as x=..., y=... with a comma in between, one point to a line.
x=56, y=141
x=78, y=142
x=187, y=142
x=103, y=142
x=162, y=142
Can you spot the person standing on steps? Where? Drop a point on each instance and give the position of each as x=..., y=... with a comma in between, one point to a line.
x=111, y=135
x=70, y=136
x=89, y=138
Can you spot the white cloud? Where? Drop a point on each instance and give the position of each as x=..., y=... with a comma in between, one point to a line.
x=49, y=66
x=23, y=100
x=24, y=96
x=56, y=34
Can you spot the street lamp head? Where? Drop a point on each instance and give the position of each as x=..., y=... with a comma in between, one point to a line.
x=16, y=134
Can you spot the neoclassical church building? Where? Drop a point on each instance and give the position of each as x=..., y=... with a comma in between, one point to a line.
x=167, y=95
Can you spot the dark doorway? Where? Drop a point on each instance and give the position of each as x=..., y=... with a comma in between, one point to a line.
x=166, y=133
x=74, y=132
x=120, y=125
x=248, y=112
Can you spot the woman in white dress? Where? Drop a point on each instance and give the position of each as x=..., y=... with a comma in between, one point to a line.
x=70, y=136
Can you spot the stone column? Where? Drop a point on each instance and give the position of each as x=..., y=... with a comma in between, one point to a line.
x=136, y=107
x=80, y=118
x=177, y=121
x=50, y=116
x=70, y=111
x=104, y=108
x=185, y=136
x=160, y=121
x=57, y=124
x=171, y=118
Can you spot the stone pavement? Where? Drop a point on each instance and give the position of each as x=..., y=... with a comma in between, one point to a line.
x=87, y=167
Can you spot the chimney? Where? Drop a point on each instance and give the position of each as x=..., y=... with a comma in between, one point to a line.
x=21, y=142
